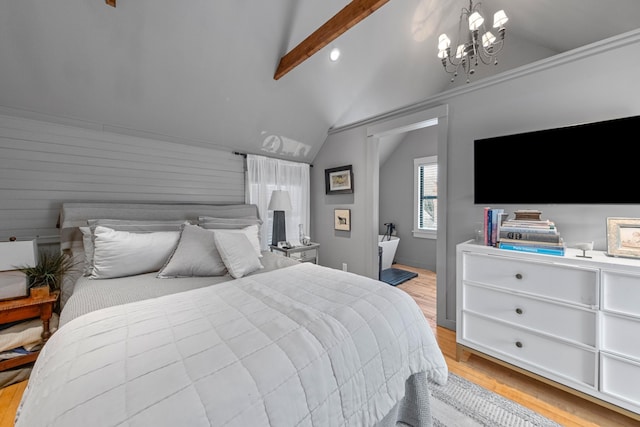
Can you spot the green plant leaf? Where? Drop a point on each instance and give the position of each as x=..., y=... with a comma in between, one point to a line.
x=52, y=266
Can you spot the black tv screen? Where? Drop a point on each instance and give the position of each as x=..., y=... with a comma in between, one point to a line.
x=594, y=163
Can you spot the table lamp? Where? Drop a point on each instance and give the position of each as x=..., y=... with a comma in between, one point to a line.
x=16, y=254
x=280, y=202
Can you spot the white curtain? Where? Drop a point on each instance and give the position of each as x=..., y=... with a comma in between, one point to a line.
x=265, y=174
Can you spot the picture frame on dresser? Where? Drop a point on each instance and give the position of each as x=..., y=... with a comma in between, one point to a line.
x=623, y=237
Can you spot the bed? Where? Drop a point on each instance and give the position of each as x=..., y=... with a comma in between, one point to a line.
x=242, y=337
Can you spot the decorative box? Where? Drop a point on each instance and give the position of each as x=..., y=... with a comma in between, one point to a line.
x=16, y=254
x=13, y=284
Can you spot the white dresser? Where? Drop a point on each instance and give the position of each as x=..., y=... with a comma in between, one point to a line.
x=575, y=321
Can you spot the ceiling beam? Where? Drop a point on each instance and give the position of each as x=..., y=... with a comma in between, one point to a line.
x=110, y=2
x=349, y=16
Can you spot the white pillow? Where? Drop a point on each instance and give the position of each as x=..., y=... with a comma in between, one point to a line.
x=195, y=255
x=236, y=252
x=121, y=253
x=133, y=226
x=253, y=234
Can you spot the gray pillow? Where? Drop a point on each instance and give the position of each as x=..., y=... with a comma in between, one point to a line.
x=227, y=223
x=196, y=255
x=138, y=226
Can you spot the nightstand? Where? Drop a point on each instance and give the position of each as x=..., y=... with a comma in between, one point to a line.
x=23, y=309
x=303, y=253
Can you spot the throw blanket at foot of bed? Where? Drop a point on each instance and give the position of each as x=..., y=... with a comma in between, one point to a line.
x=304, y=345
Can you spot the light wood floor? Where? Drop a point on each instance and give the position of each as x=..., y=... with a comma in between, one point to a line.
x=560, y=406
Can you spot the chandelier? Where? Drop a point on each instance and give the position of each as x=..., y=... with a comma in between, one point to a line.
x=471, y=48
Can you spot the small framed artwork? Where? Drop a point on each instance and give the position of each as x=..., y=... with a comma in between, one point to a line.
x=338, y=180
x=623, y=237
x=342, y=219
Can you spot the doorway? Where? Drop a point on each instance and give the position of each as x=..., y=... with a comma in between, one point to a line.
x=437, y=116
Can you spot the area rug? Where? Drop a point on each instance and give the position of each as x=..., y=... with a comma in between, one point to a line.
x=461, y=403
x=395, y=276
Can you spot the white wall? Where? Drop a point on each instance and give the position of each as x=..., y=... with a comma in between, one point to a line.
x=598, y=82
x=44, y=164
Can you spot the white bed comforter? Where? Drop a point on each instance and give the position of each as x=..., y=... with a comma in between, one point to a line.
x=304, y=345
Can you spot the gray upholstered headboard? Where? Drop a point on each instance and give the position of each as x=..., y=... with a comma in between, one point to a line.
x=76, y=214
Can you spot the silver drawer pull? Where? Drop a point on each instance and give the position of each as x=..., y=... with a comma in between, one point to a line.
x=518, y=344
x=518, y=311
x=518, y=276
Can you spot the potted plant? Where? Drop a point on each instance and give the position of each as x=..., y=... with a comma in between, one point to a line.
x=47, y=275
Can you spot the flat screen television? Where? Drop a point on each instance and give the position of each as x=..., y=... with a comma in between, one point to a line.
x=593, y=163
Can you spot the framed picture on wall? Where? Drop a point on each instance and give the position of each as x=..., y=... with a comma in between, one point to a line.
x=338, y=180
x=342, y=219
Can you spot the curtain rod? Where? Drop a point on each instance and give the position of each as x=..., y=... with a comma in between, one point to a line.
x=238, y=153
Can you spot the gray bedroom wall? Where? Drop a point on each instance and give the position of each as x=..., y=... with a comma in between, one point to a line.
x=342, y=246
x=44, y=164
x=396, y=197
x=577, y=87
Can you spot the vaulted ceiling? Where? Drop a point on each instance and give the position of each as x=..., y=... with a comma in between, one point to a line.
x=202, y=72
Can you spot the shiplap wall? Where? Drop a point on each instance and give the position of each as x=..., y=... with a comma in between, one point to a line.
x=43, y=164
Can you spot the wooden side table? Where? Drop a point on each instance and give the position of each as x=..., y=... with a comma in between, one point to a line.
x=303, y=253
x=23, y=309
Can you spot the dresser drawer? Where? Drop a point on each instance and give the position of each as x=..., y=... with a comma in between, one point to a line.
x=620, y=335
x=561, y=282
x=569, y=322
x=620, y=378
x=551, y=356
x=621, y=292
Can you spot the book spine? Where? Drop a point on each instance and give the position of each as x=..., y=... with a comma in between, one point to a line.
x=495, y=221
x=559, y=244
x=528, y=236
x=489, y=227
x=486, y=225
x=521, y=223
x=533, y=249
x=536, y=230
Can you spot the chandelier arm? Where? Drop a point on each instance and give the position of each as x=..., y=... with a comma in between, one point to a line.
x=450, y=66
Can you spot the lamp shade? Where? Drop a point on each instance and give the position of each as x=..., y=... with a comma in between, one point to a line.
x=499, y=19
x=280, y=201
x=475, y=21
x=18, y=254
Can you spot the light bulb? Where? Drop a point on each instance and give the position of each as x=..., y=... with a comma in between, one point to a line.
x=334, y=54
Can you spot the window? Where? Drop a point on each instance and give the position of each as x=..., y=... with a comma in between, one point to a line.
x=266, y=174
x=425, y=197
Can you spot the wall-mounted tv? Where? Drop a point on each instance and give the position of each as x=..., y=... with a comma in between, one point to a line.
x=594, y=163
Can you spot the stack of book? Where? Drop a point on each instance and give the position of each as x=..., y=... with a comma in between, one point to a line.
x=528, y=232
x=493, y=218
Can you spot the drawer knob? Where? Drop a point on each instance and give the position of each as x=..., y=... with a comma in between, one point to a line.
x=518, y=310
x=518, y=276
x=518, y=344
